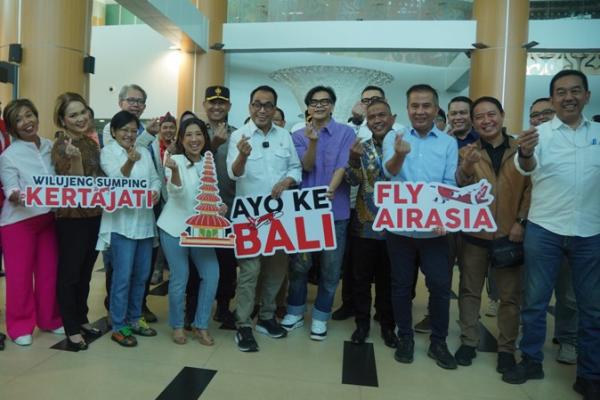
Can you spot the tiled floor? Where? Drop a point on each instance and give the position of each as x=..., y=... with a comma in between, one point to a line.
x=290, y=368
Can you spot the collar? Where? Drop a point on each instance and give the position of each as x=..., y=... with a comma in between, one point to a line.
x=557, y=123
x=254, y=130
x=504, y=143
x=435, y=132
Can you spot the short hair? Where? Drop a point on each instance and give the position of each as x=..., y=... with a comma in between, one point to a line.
x=121, y=119
x=423, y=87
x=91, y=111
x=282, y=113
x=441, y=113
x=264, y=88
x=62, y=102
x=11, y=112
x=460, y=99
x=487, y=99
x=373, y=87
x=380, y=101
x=568, y=72
x=539, y=100
x=320, y=88
x=131, y=86
x=181, y=133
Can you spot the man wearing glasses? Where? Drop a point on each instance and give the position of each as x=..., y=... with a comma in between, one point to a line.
x=132, y=98
x=540, y=111
x=261, y=157
x=323, y=146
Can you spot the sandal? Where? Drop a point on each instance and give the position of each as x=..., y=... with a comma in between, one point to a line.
x=204, y=337
x=124, y=337
x=179, y=336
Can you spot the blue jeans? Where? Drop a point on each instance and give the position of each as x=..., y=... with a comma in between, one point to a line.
x=544, y=253
x=565, y=310
x=205, y=261
x=331, y=264
x=130, y=261
x=433, y=253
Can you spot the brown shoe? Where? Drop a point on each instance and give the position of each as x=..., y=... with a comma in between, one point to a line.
x=179, y=336
x=124, y=337
x=204, y=337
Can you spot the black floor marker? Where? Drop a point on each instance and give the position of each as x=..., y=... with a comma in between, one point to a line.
x=101, y=324
x=487, y=341
x=188, y=384
x=359, y=367
x=160, y=289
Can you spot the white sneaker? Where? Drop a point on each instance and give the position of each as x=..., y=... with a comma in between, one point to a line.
x=318, y=330
x=567, y=354
x=24, y=340
x=492, y=310
x=291, y=322
x=58, y=331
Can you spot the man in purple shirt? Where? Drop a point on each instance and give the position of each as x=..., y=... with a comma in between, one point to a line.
x=323, y=147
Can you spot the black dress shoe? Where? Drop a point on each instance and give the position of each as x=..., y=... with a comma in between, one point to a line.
x=77, y=346
x=389, y=337
x=523, y=371
x=360, y=335
x=148, y=315
x=342, y=313
x=2, y=339
x=588, y=388
x=464, y=355
x=405, y=350
x=506, y=362
x=439, y=352
x=91, y=331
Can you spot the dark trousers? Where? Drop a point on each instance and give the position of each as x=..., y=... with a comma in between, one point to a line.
x=370, y=262
x=433, y=253
x=227, y=282
x=77, y=239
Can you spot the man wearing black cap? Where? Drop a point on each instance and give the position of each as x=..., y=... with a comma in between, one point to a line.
x=217, y=105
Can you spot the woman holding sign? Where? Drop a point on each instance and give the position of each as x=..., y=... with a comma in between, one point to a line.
x=74, y=153
x=28, y=233
x=183, y=171
x=129, y=232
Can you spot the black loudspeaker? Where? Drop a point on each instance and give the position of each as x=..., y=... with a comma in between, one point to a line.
x=8, y=72
x=89, y=65
x=15, y=53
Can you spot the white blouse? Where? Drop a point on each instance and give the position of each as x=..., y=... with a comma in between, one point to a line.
x=18, y=164
x=133, y=223
x=182, y=199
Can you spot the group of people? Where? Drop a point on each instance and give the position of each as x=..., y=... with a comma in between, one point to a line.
x=544, y=182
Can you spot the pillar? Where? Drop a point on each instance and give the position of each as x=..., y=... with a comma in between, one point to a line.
x=500, y=69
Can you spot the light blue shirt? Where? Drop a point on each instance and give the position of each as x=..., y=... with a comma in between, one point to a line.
x=432, y=158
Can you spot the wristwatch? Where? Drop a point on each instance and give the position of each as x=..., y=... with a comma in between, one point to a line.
x=522, y=221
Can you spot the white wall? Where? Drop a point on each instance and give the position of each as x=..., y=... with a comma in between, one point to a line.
x=133, y=54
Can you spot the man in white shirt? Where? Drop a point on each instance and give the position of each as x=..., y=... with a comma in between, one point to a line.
x=562, y=156
x=261, y=158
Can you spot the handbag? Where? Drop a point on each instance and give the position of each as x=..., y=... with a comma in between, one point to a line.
x=506, y=254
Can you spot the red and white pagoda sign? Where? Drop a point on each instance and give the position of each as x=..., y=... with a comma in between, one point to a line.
x=207, y=228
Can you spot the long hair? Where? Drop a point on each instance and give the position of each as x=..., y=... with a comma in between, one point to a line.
x=179, y=149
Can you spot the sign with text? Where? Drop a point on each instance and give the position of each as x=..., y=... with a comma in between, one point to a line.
x=422, y=207
x=65, y=191
x=299, y=221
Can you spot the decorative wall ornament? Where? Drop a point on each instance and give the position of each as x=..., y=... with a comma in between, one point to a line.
x=551, y=63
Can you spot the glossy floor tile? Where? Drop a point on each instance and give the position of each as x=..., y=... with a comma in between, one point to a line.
x=291, y=368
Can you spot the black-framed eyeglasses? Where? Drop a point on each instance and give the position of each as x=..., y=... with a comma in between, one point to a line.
x=268, y=106
x=544, y=113
x=135, y=100
x=320, y=102
x=368, y=100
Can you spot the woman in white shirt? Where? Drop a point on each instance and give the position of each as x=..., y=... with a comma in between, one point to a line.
x=183, y=171
x=28, y=234
x=130, y=232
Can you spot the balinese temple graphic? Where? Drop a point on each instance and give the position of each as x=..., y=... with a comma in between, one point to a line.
x=207, y=228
